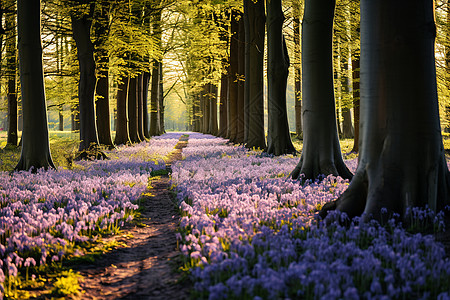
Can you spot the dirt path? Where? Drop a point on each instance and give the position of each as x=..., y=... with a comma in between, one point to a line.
x=146, y=267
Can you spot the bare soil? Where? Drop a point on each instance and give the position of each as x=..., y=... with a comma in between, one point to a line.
x=146, y=268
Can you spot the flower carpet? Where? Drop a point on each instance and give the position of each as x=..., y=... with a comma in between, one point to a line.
x=248, y=231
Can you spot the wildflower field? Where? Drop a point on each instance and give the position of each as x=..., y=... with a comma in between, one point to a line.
x=247, y=230
x=53, y=216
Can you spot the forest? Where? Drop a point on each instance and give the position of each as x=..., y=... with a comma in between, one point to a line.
x=272, y=149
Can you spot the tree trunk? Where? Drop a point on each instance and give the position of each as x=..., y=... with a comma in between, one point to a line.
x=278, y=136
x=161, y=107
x=256, y=20
x=240, y=125
x=246, y=72
x=232, y=82
x=133, y=111
x=11, y=66
x=321, y=153
x=61, y=118
x=35, y=143
x=223, y=127
x=213, y=112
x=102, y=89
x=206, y=107
x=355, y=74
x=81, y=28
x=146, y=81
x=122, y=133
x=297, y=72
x=154, y=124
x=402, y=161
x=75, y=116
x=140, y=105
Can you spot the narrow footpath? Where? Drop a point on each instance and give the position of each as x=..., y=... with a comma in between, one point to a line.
x=146, y=267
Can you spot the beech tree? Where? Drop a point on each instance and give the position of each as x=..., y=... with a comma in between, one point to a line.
x=321, y=153
x=256, y=19
x=35, y=143
x=402, y=160
x=11, y=67
x=278, y=137
x=81, y=18
x=122, y=135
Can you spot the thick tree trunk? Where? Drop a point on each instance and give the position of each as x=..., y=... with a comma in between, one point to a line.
x=246, y=72
x=133, y=111
x=402, y=162
x=278, y=136
x=256, y=20
x=81, y=28
x=240, y=125
x=35, y=144
x=223, y=128
x=11, y=66
x=154, y=124
x=145, y=82
x=297, y=73
x=232, y=113
x=321, y=153
x=122, y=134
x=356, y=102
x=213, y=110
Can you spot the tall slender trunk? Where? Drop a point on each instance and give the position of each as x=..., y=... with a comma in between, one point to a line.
x=297, y=71
x=11, y=67
x=223, y=127
x=154, y=124
x=213, y=109
x=133, y=111
x=232, y=82
x=246, y=71
x=356, y=104
x=145, y=82
x=140, y=105
x=240, y=125
x=161, y=106
x=122, y=134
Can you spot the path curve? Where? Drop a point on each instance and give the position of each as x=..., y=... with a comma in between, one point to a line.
x=146, y=267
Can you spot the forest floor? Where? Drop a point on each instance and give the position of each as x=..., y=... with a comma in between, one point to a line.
x=145, y=267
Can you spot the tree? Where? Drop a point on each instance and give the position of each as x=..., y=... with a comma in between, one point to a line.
x=101, y=30
x=240, y=126
x=122, y=134
x=81, y=18
x=11, y=67
x=297, y=69
x=321, y=149
x=35, y=143
x=402, y=161
x=232, y=109
x=278, y=137
x=256, y=20
x=133, y=110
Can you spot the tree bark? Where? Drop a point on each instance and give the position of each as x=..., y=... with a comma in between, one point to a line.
x=122, y=134
x=206, y=107
x=35, y=143
x=321, y=153
x=240, y=125
x=11, y=66
x=246, y=72
x=297, y=72
x=161, y=106
x=278, y=136
x=140, y=105
x=146, y=81
x=256, y=19
x=102, y=89
x=402, y=161
x=223, y=128
x=133, y=111
x=232, y=82
x=356, y=102
x=154, y=124
x=213, y=112
x=81, y=28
